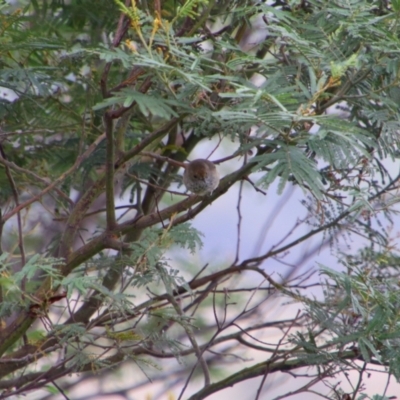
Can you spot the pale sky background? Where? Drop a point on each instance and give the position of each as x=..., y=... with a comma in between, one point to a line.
x=218, y=223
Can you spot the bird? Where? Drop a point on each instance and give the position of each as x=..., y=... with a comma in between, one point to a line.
x=201, y=177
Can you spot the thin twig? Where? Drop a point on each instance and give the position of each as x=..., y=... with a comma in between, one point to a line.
x=239, y=222
x=275, y=353
x=53, y=185
x=60, y=390
x=359, y=382
x=110, y=201
x=188, y=330
x=257, y=189
x=164, y=159
x=19, y=220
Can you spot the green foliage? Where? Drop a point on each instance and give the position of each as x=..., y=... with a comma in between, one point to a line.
x=146, y=104
x=29, y=275
x=101, y=99
x=291, y=160
x=36, y=265
x=361, y=308
x=185, y=236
